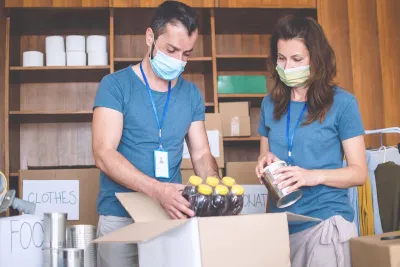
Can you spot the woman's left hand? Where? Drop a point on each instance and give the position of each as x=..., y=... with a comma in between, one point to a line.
x=295, y=177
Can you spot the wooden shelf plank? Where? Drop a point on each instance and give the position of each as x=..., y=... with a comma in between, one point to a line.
x=242, y=95
x=244, y=56
x=236, y=139
x=21, y=68
x=209, y=104
x=37, y=112
x=14, y=174
x=137, y=59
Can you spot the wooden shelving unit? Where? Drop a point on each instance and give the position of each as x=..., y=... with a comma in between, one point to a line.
x=49, y=109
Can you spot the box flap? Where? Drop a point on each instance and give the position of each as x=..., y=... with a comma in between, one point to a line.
x=140, y=232
x=246, y=240
x=142, y=208
x=292, y=217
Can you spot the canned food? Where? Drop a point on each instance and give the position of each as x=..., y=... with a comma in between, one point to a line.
x=281, y=197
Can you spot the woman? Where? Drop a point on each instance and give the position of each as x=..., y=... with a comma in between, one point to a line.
x=311, y=124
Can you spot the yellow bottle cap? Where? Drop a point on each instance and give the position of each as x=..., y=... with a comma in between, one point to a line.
x=221, y=190
x=195, y=180
x=228, y=181
x=237, y=189
x=205, y=189
x=212, y=181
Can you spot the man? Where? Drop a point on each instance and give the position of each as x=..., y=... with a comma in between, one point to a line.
x=141, y=116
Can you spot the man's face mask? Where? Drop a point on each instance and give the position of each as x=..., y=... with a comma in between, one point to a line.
x=166, y=67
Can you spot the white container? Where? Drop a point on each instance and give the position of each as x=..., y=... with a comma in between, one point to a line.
x=55, y=59
x=54, y=44
x=76, y=43
x=32, y=59
x=97, y=58
x=96, y=43
x=76, y=59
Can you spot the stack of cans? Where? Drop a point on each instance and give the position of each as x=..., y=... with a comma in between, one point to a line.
x=55, y=253
x=81, y=237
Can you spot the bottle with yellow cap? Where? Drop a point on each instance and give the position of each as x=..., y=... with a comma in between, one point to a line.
x=219, y=201
x=190, y=190
x=212, y=181
x=202, y=201
x=228, y=182
x=235, y=200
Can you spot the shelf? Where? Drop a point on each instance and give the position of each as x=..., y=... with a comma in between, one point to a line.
x=52, y=116
x=209, y=104
x=137, y=59
x=241, y=95
x=20, y=68
x=244, y=56
x=14, y=174
x=81, y=112
x=237, y=139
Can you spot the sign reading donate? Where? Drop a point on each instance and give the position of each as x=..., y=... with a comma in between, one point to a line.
x=53, y=196
x=21, y=241
x=255, y=199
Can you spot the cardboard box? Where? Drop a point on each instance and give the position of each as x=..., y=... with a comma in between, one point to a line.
x=246, y=240
x=89, y=187
x=186, y=173
x=371, y=251
x=214, y=132
x=235, y=118
x=21, y=241
x=255, y=194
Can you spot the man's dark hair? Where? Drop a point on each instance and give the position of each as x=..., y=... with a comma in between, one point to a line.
x=173, y=12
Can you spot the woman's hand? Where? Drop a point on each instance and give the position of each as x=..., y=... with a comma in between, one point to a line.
x=264, y=160
x=295, y=177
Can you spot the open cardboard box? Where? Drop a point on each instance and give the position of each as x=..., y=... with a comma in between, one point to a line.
x=235, y=241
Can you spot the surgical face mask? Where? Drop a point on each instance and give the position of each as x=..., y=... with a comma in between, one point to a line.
x=294, y=77
x=166, y=67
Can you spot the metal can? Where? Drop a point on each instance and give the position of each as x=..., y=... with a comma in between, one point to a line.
x=72, y=257
x=54, y=230
x=281, y=197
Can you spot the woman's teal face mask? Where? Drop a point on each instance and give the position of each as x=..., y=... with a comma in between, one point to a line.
x=166, y=67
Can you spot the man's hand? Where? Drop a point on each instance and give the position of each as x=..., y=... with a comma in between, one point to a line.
x=170, y=197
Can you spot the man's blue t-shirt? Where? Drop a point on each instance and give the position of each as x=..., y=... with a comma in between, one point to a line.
x=315, y=146
x=125, y=92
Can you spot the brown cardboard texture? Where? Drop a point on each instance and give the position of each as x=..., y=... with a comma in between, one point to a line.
x=242, y=172
x=89, y=186
x=186, y=173
x=244, y=240
x=371, y=251
x=235, y=118
x=212, y=123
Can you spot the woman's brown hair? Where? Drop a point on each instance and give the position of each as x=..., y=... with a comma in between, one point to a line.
x=322, y=67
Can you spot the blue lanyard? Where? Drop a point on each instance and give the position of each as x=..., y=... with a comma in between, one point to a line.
x=154, y=106
x=290, y=140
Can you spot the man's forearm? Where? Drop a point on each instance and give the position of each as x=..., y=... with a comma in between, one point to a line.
x=206, y=166
x=118, y=168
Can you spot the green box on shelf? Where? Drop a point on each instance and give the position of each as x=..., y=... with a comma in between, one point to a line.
x=242, y=84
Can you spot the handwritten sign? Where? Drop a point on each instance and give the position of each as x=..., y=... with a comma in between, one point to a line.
x=21, y=241
x=53, y=196
x=255, y=199
x=213, y=140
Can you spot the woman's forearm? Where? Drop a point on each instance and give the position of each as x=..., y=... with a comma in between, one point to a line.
x=342, y=178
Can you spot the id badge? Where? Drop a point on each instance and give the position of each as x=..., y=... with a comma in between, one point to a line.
x=161, y=164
